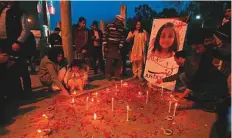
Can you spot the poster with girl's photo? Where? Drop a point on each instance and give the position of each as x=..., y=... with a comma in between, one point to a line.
x=167, y=37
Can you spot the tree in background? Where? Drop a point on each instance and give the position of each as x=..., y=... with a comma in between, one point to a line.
x=146, y=15
x=168, y=13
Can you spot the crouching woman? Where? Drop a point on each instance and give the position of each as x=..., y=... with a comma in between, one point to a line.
x=49, y=68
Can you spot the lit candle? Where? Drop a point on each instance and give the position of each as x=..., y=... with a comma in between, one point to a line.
x=116, y=93
x=45, y=116
x=96, y=94
x=92, y=100
x=74, y=92
x=87, y=102
x=162, y=91
x=147, y=98
x=95, y=116
x=170, y=106
x=73, y=100
x=127, y=113
x=39, y=131
x=121, y=83
x=112, y=104
x=175, y=109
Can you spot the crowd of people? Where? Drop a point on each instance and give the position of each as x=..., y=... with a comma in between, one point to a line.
x=203, y=82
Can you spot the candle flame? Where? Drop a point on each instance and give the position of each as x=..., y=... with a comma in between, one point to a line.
x=74, y=93
x=92, y=100
x=95, y=116
x=39, y=131
x=45, y=116
x=73, y=100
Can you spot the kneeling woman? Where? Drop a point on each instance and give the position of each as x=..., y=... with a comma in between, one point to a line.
x=74, y=76
x=49, y=68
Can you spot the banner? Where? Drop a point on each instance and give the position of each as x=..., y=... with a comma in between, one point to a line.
x=167, y=37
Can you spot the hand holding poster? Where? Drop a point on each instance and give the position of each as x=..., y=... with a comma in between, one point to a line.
x=167, y=37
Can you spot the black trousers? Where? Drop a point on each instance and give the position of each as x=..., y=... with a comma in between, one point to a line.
x=97, y=55
x=21, y=64
x=124, y=54
x=113, y=65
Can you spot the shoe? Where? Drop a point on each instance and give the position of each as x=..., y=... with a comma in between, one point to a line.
x=116, y=79
x=109, y=79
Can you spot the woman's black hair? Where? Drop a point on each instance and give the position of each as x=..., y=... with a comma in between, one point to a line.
x=81, y=19
x=95, y=23
x=181, y=53
x=53, y=54
x=76, y=63
x=141, y=28
x=157, y=40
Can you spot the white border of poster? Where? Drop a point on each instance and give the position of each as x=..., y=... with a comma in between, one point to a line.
x=159, y=68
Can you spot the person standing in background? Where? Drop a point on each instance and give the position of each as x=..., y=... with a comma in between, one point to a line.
x=113, y=41
x=139, y=37
x=97, y=47
x=82, y=40
x=55, y=38
x=14, y=31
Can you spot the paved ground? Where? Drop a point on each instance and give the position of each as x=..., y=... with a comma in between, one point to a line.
x=149, y=118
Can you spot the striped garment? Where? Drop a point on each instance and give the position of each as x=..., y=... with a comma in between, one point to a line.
x=113, y=37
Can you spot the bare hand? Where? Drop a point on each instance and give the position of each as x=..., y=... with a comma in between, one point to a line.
x=179, y=95
x=15, y=47
x=118, y=52
x=210, y=42
x=84, y=51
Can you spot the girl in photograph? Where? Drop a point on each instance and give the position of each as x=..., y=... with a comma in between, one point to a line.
x=139, y=38
x=165, y=44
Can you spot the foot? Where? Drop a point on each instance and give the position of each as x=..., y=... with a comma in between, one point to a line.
x=117, y=79
x=134, y=77
x=95, y=72
x=109, y=79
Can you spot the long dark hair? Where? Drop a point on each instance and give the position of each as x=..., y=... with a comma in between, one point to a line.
x=80, y=20
x=53, y=54
x=134, y=26
x=157, y=43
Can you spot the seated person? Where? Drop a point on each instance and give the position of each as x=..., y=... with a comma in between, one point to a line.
x=74, y=76
x=49, y=68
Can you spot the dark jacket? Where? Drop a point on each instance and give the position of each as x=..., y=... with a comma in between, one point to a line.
x=82, y=40
x=29, y=47
x=226, y=29
x=13, y=24
x=207, y=77
x=55, y=39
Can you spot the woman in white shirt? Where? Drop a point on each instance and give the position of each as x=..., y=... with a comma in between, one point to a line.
x=139, y=38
